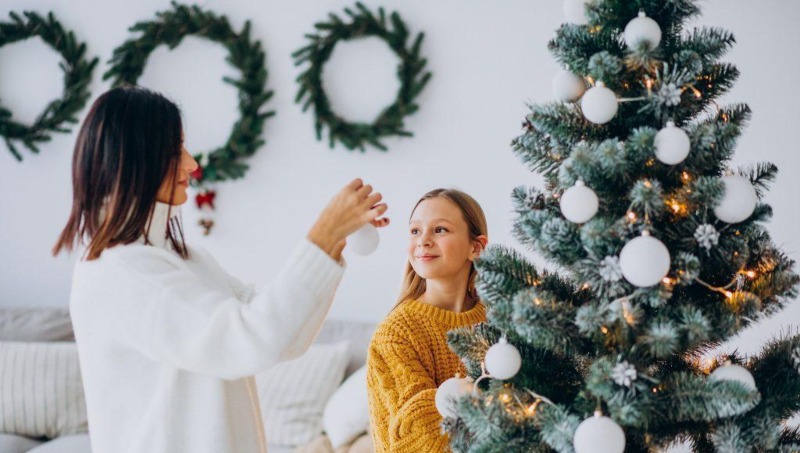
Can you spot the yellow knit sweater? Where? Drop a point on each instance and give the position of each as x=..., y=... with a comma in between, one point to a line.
x=408, y=359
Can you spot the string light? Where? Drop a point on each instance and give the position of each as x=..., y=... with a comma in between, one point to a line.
x=685, y=176
x=631, y=216
x=604, y=329
x=750, y=274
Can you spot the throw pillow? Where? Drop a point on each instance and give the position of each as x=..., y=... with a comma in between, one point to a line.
x=41, y=393
x=293, y=393
x=347, y=413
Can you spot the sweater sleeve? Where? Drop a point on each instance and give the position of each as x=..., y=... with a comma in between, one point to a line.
x=402, y=396
x=172, y=317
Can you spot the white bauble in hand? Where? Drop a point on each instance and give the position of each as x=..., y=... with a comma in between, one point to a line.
x=733, y=372
x=599, y=434
x=739, y=200
x=599, y=104
x=502, y=360
x=642, y=29
x=579, y=203
x=364, y=241
x=575, y=12
x=449, y=392
x=672, y=144
x=644, y=260
x=567, y=87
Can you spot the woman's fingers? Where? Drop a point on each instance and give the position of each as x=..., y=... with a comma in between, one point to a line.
x=380, y=223
x=373, y=199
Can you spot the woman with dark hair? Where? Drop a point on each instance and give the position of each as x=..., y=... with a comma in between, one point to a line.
x=168, y=341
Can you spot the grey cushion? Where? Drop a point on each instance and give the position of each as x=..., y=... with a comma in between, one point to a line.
x=35, y=324
x=358, y=334
x=10, y=443
x=76, y=443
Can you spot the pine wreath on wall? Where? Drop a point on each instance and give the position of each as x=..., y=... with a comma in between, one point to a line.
x=77, y=76
x=411, y=72
x=246, y=55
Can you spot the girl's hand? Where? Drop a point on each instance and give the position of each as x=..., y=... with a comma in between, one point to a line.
x=348, y=210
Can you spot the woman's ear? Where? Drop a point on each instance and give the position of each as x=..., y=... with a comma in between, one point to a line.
x=478, y=245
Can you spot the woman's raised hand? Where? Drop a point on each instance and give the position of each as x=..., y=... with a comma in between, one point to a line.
x=350, y=209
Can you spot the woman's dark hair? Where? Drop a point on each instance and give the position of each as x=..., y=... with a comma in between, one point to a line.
x=130, y=141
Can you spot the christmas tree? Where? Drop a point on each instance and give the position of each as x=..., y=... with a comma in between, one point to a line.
x=660, y=253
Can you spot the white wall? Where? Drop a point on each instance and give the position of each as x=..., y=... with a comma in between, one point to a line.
x=488, y=60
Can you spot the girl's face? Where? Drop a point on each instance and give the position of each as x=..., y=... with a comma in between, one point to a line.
x=439, y=245
x=175, y=191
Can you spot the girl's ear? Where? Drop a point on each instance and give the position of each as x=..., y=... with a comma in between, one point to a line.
x=478, y=245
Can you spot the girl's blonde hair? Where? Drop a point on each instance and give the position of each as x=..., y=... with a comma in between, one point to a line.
x=413, y=285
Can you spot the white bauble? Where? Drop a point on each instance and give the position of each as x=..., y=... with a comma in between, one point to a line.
x=364, y=240
x=575, y=12
x=733, y=372
x=642, y=29
x=644, y=261
x=567, y=87
x=672, y=144
x=502, y=360
x=739, y=200
x=449, y=392
x=599, y=434
x=599, y=104
x=579, y=203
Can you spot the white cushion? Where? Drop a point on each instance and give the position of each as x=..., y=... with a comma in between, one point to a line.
x=78, y=443
x=11, y=443
x=346, y=415
x=293, y=393
x=41, y=394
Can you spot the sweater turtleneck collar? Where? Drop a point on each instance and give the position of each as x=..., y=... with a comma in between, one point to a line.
x=157, y=225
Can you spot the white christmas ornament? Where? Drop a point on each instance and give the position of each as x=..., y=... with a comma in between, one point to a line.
x=579, y=203
x=449, y=392
x=567, y=87
x=642, y=29
x=672, y=144
x=599, y=104
x=599, y=434
x=575, y=11
x=364, y=241
x=739, y=200
x=732, y=372
x=502, y=360
x=644, y=260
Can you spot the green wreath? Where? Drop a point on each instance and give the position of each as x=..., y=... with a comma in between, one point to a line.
x=410, y=72
x=129, y=59
x=77, y=76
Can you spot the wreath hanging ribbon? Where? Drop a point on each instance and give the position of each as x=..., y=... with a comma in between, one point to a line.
x=77, y=76
x=245, y=54
x=410, y=71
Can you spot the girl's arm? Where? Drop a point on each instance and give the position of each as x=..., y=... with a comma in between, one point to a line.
x=402, y=393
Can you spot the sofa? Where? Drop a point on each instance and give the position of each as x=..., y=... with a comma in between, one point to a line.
x=41, y=396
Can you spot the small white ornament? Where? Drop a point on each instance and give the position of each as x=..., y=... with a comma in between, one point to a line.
x=599, y=434
x=624, y=374
x=610, y=270
x=672, y=144
x=670, y=94
x=447, y=394
x=502, y=360
x=364, y=240
x=732, y=372
x=599, y=104
x=642, y=29
x=707, y=236
x=575, y=11
x=644, y=260
x=579, y=203
x=567, y=87
x=739, y=200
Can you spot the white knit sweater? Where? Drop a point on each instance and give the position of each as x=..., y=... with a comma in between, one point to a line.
x=168, y=347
